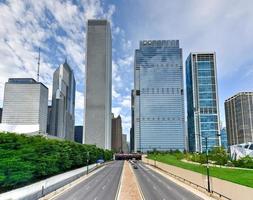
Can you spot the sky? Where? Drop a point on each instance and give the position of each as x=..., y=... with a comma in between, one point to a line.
x=58, y=27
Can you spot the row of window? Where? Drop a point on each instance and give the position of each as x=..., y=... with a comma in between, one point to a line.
x=162, y=91
x=161, y=118
x=208, y=110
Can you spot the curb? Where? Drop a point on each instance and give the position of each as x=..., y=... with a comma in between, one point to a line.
x=120, y=182
x=137, y=183
x=70, y=185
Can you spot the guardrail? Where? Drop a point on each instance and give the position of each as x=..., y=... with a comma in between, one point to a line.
x=213, y=193
x=46, y=186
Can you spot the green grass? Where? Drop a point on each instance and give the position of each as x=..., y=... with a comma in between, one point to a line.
x=242, y=177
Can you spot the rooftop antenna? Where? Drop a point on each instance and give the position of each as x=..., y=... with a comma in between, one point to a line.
x=38, y=70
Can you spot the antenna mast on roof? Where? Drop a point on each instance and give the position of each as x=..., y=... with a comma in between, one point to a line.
x=38, y=70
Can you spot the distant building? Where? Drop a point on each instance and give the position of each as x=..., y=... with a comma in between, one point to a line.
x=49, y=117
x=1, y=110
x=25, y=106
x=224, y=138
x=239, y=118
x=125, y=148
x=79, y=134
x=97, y=120
x=63, y=103
x=116, y=133
x=202, y=101
x=159, y=96
x=132, y=123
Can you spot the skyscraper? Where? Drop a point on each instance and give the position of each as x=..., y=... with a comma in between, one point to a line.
x=202, y=101
x=25, y=106
x=49, y=118
x=1, y=111
x=79, y=134
x=224, y=138
x=132, y=123
x=63, y=103
x=116, y=133
x=97, y=120
x=124, y=143
x=239, y=118
x=159, y=96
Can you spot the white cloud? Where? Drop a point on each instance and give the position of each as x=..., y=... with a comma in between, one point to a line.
x=126, y=102
x=58, y=27
x=116, y=111
x=79, y=103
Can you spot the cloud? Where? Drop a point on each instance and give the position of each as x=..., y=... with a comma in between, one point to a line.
x=58, y=28
x=116, y=111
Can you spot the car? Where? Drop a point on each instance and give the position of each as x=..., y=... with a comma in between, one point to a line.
x=135, y=167
x=100, y=161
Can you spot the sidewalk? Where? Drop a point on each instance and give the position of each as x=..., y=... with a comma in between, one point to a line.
x=129, y=188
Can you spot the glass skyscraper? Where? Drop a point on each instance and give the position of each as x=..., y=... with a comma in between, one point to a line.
x=158, y=96
x=202, y=101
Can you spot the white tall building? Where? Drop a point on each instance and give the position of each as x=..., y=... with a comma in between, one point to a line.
x=97, y=121
x=62, y=123
x=25, y=106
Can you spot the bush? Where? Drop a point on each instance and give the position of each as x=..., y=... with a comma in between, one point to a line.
x=246, y=162
x=26, y=159
x=219, y=155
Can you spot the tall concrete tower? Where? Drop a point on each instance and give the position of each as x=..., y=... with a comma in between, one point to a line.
x=63, y=103
x=97, y=121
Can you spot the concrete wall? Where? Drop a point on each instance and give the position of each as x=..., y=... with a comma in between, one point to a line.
x=231, y=190
x=41, y=188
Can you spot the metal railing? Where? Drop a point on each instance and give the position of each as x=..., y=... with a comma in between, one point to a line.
x=212, y=193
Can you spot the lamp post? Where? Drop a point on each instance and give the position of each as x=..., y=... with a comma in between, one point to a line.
x=87, y=157
x=207, y=163
x=207, y=168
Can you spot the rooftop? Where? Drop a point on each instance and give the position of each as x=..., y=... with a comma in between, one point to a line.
x=24, y=81
x=159, y=43
x=238, y=95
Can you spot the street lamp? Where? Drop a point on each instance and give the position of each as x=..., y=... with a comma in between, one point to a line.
x=87, y=161
x=207, y=163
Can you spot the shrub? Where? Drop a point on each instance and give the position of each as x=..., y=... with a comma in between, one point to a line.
x=26, y=159
x=219, y=155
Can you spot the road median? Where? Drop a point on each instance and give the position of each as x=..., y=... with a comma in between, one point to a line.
x=129, y=187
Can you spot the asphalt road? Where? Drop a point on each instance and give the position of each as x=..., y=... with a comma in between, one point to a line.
x=102, y=185
x=156, y=187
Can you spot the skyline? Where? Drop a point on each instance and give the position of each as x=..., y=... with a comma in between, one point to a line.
x=61, y=35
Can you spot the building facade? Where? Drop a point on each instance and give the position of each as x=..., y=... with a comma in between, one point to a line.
x=132, y=123
x=202, y=101
x=63, y=103
x=1, y=111
x=116, y=133
x=49, y=118
x=79, y=134
x=124, y=144
x=25, y=105
x=158, y=96
x=97, y=121
x=224, y=138
x=239, y=118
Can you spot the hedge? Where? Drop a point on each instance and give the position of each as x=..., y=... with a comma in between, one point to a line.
x=27, y=159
